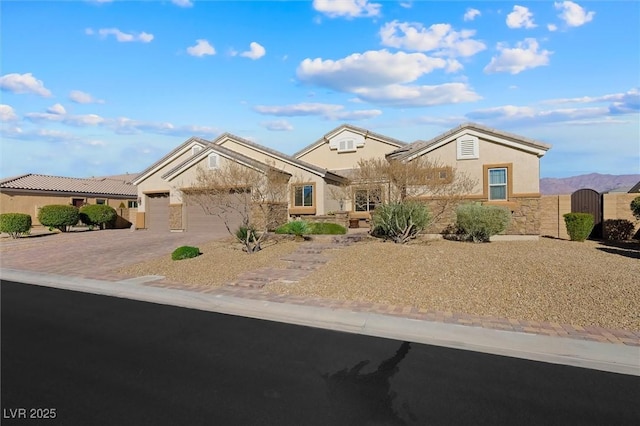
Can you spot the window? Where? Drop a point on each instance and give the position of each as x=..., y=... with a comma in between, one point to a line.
x=132, y=204
x=100, y=201
x=498, y=184
x=213, y=161
x=196, y=149
x=303, y=196
x=366, y=200
x=467, y=148
x=346, y=145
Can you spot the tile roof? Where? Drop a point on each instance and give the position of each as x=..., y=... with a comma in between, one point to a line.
x=96, y=186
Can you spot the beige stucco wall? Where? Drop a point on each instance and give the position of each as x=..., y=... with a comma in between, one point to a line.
x=325, y=157
x=526, y=166
x=28, y=203
x=299, y=175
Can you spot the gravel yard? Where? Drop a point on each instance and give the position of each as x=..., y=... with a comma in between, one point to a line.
x=547, y=280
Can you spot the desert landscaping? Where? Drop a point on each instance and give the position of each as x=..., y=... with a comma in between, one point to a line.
x=579, y=283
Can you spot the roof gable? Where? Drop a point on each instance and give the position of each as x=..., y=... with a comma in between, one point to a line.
x=362, y=133
x=171, y=156
x=420, y=148
x=324, y=173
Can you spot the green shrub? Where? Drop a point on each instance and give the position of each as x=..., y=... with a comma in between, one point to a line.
x=579, y=225
x=618, y=229
x=241, y=234
x=15, y=224
x=58, y=216
x=97, y=214
x=185, y=252
x=479, y=223
x=635, y=207
x=296, y=227
x=317, y=228
x=400, y=222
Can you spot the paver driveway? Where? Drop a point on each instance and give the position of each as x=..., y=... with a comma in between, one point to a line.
x=93, y=254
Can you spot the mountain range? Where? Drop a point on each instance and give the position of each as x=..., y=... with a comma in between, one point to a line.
x=595, y=181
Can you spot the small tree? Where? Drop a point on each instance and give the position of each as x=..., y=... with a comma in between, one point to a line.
x=60, y=217
x=97, y=214
x=245, y=191
x=635, y=207
x=15, y=224
x=378, y=181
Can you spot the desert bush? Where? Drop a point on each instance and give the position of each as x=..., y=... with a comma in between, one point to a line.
x=479, y=223
x=185, y=252
x=400, y=222
x=58, y=216
x=97, y=214
x=579, y=225
x=319, y=228
x=15, y=224
x=618, y=229
x=635, y=207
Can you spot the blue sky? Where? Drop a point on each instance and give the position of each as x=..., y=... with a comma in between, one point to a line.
x=92, y=88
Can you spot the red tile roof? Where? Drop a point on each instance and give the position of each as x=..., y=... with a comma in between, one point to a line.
x=96, y=186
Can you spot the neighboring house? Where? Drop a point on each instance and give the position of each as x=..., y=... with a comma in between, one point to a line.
x=29, y=192
x=506, y=167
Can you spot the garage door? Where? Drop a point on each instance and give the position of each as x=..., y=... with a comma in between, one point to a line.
x=157, y=209
x=198, y=220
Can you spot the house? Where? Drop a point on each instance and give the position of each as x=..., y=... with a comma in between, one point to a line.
x=505, y=166
x=29, y=192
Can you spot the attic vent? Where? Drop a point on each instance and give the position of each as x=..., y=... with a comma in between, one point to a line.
x=213, y=161
x=196, y=149
x=467, y=148
x=346, y=145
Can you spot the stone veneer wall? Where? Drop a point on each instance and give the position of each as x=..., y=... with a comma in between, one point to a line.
x=175, y=217
x=277, y=214
x=526, y=216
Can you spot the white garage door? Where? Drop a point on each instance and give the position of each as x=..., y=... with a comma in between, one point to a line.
x=157, y=212
x=198, y=220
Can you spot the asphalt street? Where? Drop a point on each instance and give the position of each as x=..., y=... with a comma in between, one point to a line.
x=85, y=359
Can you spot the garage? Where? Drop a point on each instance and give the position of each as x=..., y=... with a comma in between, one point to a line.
x=157, y=211
x=198, y=220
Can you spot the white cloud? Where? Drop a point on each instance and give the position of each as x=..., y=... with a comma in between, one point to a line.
x=83, y=98
x=202, y=48
x=370, y=69
x=57, y=109
x=619, y=103
x=573, y=14
x=7, y=113
x=347, y=8
x=440, y=38
x=419, y=96
x=471, y=14
x=522, y=57
x=277, y=126
x=256, y=51
x=23, y=83
x=552, y=27
x=120, y=35
x=182, y=3
x=326, y=111
x=520, y=18
x=406, y=4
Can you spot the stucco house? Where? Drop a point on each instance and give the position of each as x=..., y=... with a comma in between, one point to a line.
x=505, y=166
x=27, y=193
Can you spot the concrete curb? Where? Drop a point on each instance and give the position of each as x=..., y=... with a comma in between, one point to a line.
x=556, y=350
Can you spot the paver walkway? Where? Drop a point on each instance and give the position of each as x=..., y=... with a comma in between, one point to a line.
x=97, y=254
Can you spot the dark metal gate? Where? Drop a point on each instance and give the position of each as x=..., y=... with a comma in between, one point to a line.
x=589, y=201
